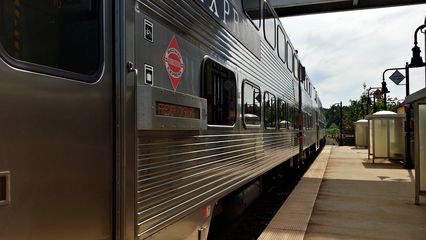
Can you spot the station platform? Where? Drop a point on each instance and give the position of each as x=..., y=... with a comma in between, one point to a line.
x=344, y=195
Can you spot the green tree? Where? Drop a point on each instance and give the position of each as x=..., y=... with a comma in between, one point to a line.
x=356, y=110
x=333, y=131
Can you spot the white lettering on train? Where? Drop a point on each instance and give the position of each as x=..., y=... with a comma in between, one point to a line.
x=226, y=10
x=222, y=10
x=236, y=16
x=215, y=8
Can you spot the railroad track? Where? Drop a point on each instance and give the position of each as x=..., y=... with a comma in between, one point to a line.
x=254, y=220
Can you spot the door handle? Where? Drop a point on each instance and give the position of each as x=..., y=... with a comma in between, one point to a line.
x=4, y=188
x=131, y=68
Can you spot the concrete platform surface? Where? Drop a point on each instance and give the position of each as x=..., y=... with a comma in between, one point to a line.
x=356, y=200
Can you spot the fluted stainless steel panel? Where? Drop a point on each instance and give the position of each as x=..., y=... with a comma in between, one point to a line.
x=199, y=28
x=178, y=173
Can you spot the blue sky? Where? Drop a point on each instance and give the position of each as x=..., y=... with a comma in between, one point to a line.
x=343, y=50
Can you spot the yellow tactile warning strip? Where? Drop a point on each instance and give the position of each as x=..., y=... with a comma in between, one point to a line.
x=291, y=220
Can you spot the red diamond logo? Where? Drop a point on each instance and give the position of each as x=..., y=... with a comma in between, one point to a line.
x=174, y=62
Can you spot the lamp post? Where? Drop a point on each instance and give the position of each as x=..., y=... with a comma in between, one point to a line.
x=374, y=97
x=416, y=61
x=408, y=164
x=384, y=88
x=364, y=102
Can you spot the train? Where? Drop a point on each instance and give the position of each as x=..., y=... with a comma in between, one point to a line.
x=137, y=119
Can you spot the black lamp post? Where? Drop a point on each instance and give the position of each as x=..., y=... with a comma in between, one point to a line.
x=416, y=61
x=384, y=87
x=365, y=101
x=408, y=163
x=374, y=98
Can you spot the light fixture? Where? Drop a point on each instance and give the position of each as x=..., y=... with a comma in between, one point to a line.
x=416, y=59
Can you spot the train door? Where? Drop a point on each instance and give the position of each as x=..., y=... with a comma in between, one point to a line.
x=56, y=120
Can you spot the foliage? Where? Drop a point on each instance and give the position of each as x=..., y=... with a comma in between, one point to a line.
x=356, y=110
x=333, y=131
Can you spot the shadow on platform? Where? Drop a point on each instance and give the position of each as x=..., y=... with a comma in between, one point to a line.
x=384, y=165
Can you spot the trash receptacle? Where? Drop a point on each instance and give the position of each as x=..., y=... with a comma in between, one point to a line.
x=361, y=133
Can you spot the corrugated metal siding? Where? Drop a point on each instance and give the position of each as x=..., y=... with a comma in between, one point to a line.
x=179, y=173
x=187, y=17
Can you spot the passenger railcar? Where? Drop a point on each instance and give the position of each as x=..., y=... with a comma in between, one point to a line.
x=135, y=119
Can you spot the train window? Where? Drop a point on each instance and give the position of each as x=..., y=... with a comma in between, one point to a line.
x=305, y=120
x=251, y=104
x=310, y=87
x=309, y=121
x=219, y=88
x=49, y=36
x=270, y=110
x=289, y=57
x=252, y=9
x=282, y=114
x=292, y=117
x=281, y=44
x=269, y=25
x=295, y=118
x=295, y=67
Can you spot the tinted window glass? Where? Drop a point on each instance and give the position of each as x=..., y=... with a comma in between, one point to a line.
x=58, y=34
x=252, y=9
x=296, y=118
x=282, y=114
x=296, y=67
x=220, y=91
x=293, y=112
x=251, y=104
x=305, y=120
x=269, y=25
x=289, y=57
x=305, y=84
x=281, y=44
x=270, y=110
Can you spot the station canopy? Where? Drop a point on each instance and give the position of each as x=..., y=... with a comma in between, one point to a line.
x=286, y=8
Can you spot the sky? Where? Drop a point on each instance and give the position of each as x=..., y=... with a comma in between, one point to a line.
x=342, y=51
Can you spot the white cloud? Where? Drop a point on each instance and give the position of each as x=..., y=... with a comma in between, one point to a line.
x=343, y=50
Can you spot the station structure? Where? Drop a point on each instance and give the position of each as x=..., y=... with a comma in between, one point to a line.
x=286, y=8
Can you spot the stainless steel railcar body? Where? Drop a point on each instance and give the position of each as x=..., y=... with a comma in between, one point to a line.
x=56, y=120
x=127, y=148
